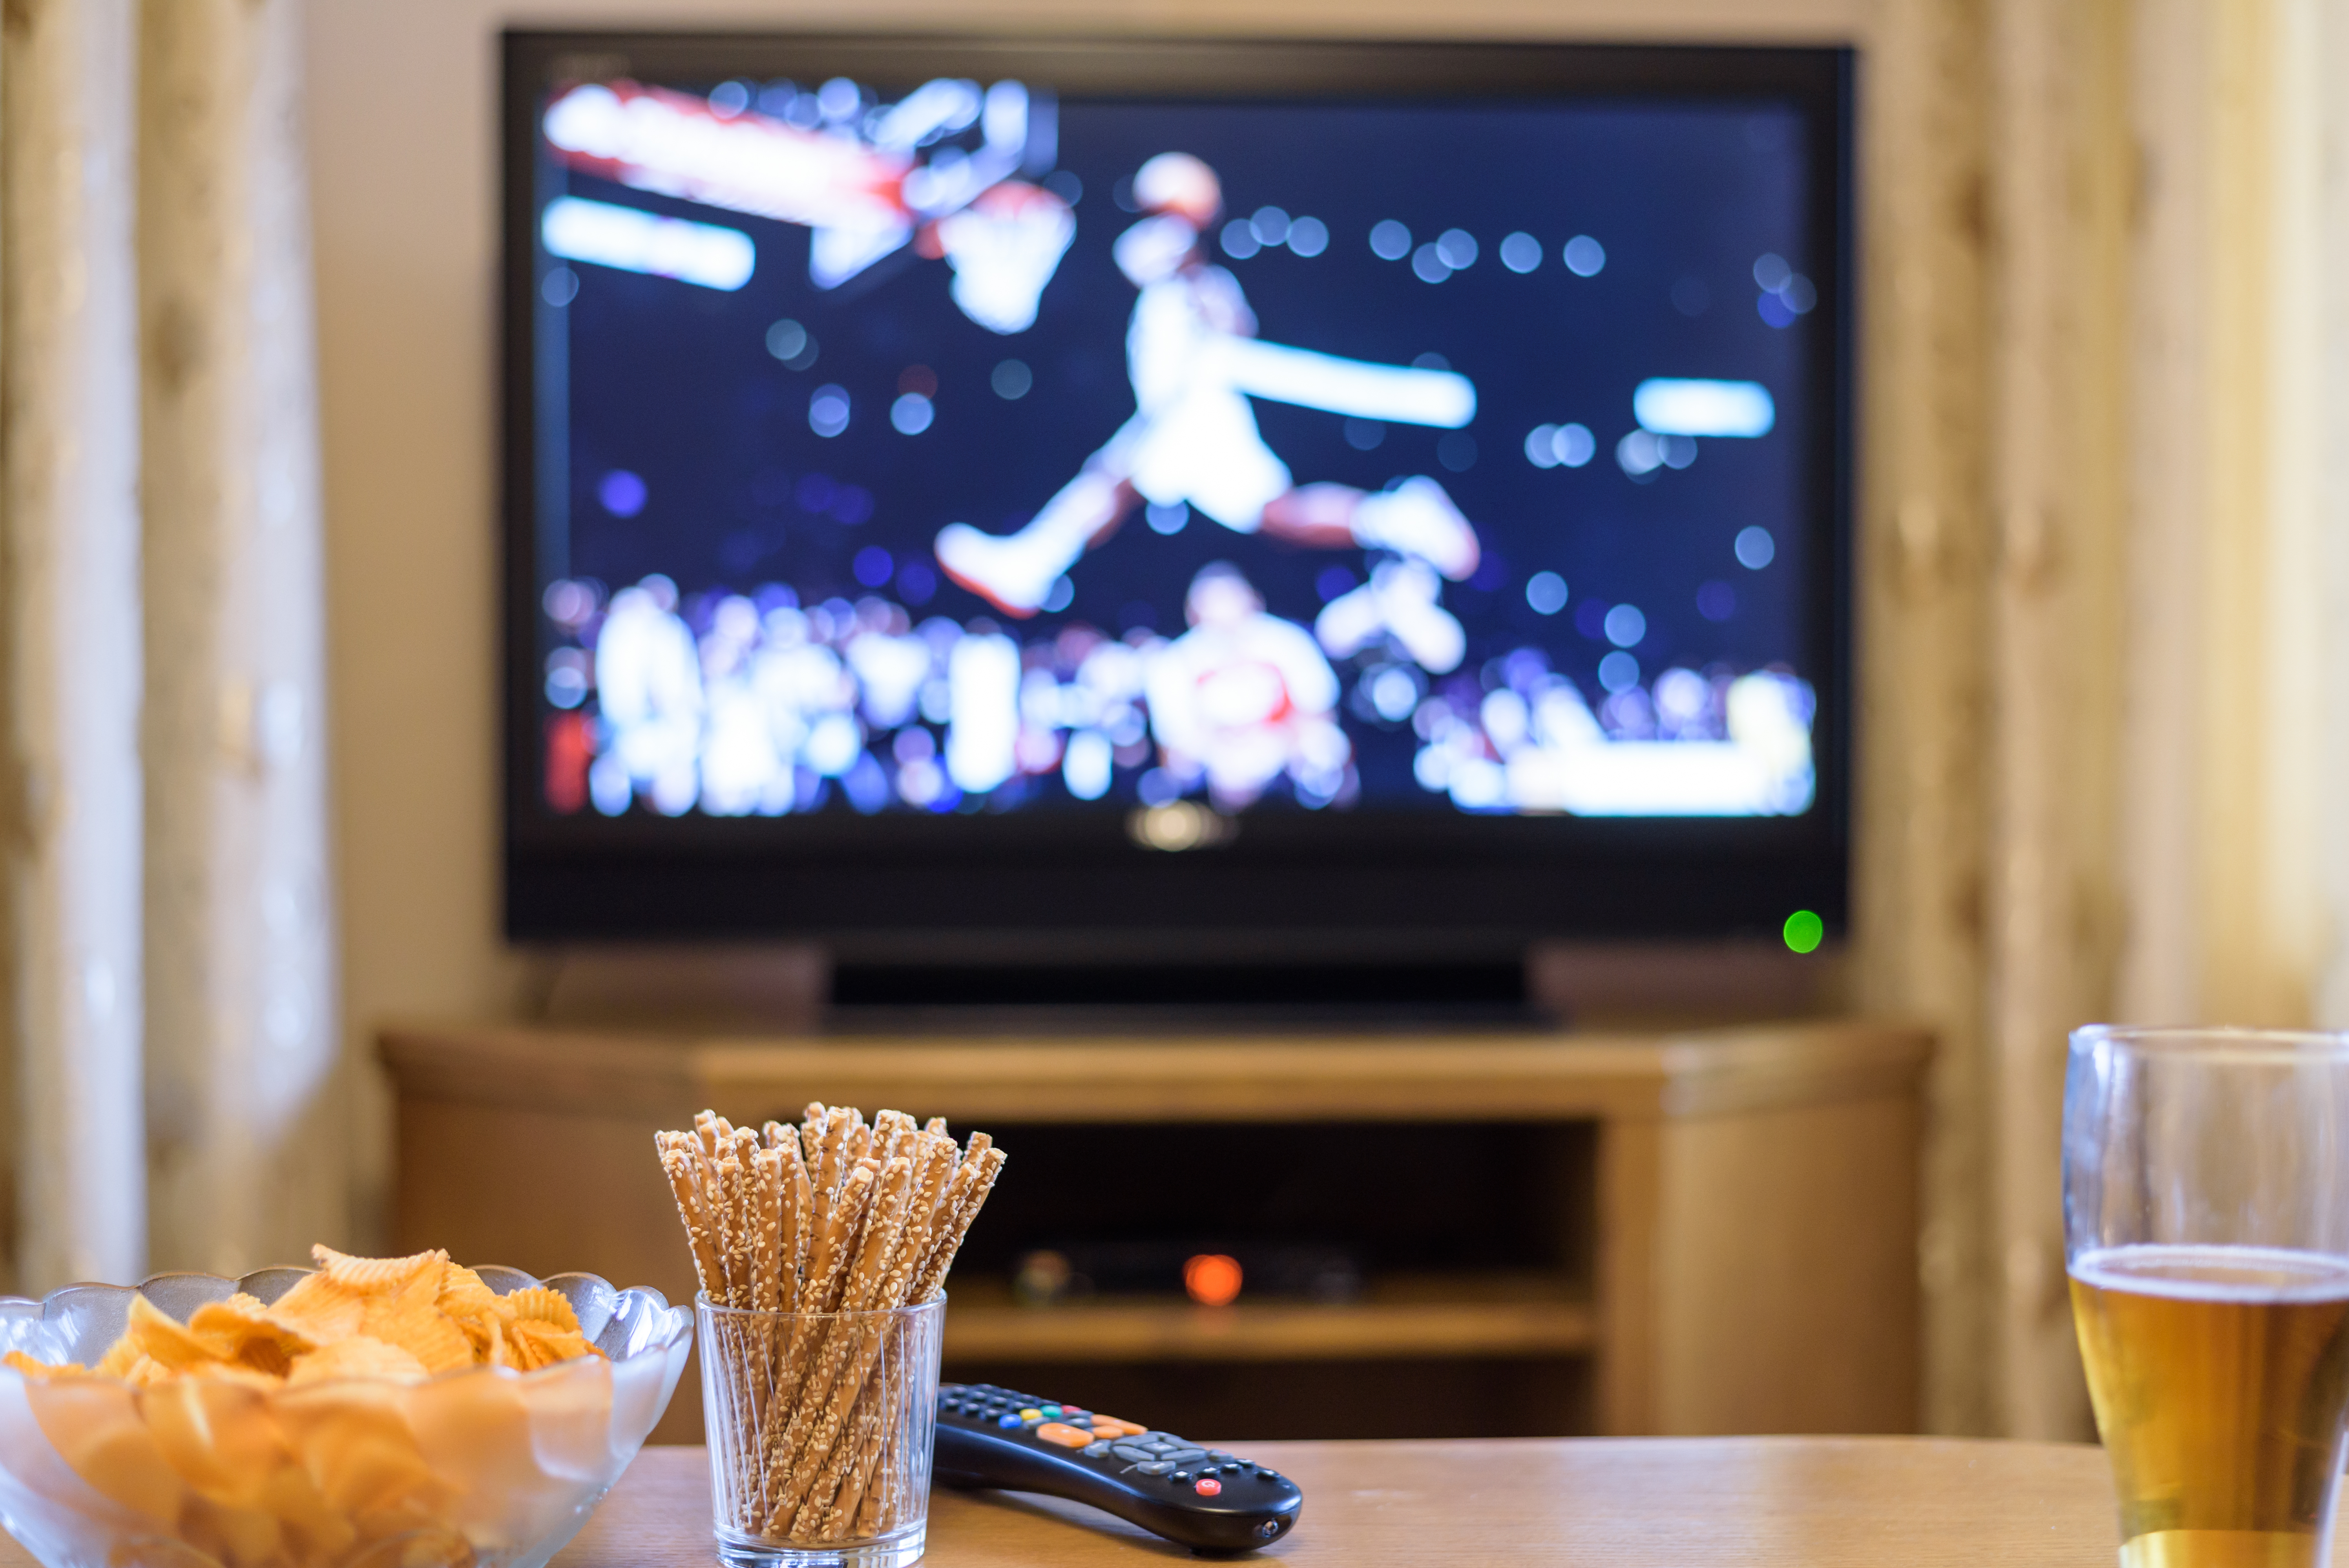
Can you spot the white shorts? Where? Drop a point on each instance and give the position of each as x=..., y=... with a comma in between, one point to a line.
x=1205, y=450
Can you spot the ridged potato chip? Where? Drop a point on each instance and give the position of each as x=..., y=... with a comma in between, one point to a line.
x=540, y=1304
x=320, y=1308
x=463, y=1293
x=419, y=1328
x=541, y=1345
x=358, y=1355
x=167, y=1340
x=370, y=1275
x=254, y=1334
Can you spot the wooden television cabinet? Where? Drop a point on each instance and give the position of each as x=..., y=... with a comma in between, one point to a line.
x=1703, y=1231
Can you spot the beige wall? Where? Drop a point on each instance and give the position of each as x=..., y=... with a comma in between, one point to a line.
x=403, y=102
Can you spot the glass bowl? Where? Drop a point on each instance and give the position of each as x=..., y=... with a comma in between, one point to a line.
x=482, y=1467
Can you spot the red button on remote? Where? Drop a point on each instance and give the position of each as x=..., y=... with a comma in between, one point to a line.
x=1206, y=1486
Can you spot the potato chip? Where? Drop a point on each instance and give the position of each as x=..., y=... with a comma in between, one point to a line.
x=463, y=1293
x=357, y=1355
x=294, y=1498
x=369, y=1275
x=237, y=1372
x=419, y=1328
x=96, y=1429
x=220, y=1438
x=240, y=1537
x=119, y=1358
x=166, y=1339
x=320, y=1308
x=253, y=1333
x=42, y=1370
x=437, y=1547
x=541, y=1345
x=540, y=1304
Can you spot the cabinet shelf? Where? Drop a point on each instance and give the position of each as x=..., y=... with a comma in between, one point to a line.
x=1677, y=1232
x=1453, y=1316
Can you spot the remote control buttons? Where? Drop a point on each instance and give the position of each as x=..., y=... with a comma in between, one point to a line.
x=1135, y=1451
x=1007, y=1420
x=1208, y=1486
x=1098, y=1451
x=1154, y=1467
x=1068, y=1436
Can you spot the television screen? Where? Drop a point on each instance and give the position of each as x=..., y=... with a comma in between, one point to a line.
x=985, y=436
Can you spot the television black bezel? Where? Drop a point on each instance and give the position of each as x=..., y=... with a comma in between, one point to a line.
x=1071, y=882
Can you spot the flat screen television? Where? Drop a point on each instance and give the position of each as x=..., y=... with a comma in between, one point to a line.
x=1177, y=498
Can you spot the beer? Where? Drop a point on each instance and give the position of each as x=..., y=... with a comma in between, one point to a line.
x=2220, y=1376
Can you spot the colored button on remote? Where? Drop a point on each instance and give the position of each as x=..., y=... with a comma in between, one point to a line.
x=1068, y=1436
x=1007, y=1419
x=1206, y=1486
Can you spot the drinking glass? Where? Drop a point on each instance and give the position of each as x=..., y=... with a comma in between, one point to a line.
x=819, y=1427
x=2206, y=1224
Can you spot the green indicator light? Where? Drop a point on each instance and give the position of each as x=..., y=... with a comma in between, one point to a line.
x=1804, y=930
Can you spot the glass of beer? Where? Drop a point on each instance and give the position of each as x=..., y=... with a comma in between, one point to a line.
x=2206, y=1219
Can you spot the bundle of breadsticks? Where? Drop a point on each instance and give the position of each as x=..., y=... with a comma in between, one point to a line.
x=833, y=1216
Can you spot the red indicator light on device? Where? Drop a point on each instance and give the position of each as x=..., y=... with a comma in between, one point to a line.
x=1212, y=1279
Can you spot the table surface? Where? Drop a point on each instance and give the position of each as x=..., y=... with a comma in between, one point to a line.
x=1824, y=1502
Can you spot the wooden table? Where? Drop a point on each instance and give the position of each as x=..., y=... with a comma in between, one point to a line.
x=1821, y=1502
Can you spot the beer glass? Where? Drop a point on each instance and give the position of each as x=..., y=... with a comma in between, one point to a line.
x=2206, y=1222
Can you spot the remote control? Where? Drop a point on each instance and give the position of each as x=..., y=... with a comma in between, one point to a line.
x=1204, y=1498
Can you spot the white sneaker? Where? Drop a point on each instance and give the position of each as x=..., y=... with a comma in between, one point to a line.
x=1003, y=569
x=1399, y=601
x=1431, y=634
x=1417, y=518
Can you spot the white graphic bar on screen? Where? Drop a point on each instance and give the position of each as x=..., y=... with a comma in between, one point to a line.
x=1674, y=406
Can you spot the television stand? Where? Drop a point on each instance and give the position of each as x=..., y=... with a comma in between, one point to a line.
x=1627, y=1232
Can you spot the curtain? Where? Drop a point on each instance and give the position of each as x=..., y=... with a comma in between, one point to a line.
x=2103, y=566
x=168, y=967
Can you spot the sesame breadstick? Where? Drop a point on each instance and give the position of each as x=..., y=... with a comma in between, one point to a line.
x=830, y=1511
x=778, y=1134
x=934, y=1161
x=826, y=1270
x=733, y=1251
x=860, y=1137
x=936, y=1124
x=989, y=1164
x=890, y=1131
x=802, y=1218
x=747, y=1214
x=833, y=1161
x=814, y=1426
x=679, y=1166
x=855, y=1419
x=767, y=1200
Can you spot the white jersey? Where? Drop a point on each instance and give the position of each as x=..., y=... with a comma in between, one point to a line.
x=1193, y=439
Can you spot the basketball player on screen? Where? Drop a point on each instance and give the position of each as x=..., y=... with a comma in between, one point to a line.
x=1192, y=354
